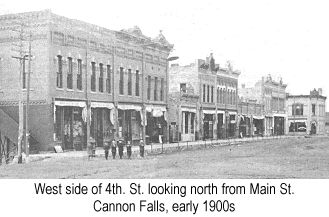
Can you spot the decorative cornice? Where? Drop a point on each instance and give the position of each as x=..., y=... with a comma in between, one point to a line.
x=15, y=103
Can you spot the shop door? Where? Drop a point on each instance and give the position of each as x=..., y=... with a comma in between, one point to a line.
x=99, y=128
x=68, y=128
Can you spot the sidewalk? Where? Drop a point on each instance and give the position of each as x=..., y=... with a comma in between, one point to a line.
x=157, y=147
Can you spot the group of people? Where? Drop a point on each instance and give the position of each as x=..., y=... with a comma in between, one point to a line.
x=120, y=144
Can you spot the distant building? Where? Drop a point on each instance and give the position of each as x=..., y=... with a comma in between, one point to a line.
x=327, y=123
x=271, y=94
x=205, y=98
x=250, y=118
x=306, y=113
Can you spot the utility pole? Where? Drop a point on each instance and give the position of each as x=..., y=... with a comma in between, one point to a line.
x=27, y=134
x=21, y=59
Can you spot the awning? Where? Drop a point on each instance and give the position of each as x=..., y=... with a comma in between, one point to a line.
x=210, y=112
x=157, y=111
x=71, y=103
x=280, y=115
x=192, y=110
x=150, y=108
x=129, y=107
x=232, y=113
x=258, y=117
x=102, y=105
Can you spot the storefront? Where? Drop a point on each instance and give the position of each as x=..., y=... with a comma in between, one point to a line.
x=297, y=126
x=208, y=123
x=231, y=124
x=130, y=122
x=258, y=122
x=156, y=124
x=102, y=123
x=244, y=126
x=70, y=124
x=279, y=125
x=188, y=117
x=220, y=125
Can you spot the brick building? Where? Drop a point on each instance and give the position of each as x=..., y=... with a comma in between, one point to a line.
x=250, y=118
x=88, y=83
x=271, y=94
x=204, y=97
x=306, y=113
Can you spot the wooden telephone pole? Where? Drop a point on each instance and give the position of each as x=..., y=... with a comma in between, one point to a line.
x=22, y=55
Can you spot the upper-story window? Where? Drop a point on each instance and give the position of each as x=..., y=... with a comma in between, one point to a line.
x=121, y=82
x=313, y=109
x=204, y=93
x=183, y=87
x=108, y=79
x=93, y=77
x=129, y=82
x=155, y=89
x=162, y=90
x=297, y=109
x=79, y=75
x=208, y=93
x=148, y=87
x=101, y=78
x=70, y=73
x=59, y=82
x=212, y=94
x=137, y=83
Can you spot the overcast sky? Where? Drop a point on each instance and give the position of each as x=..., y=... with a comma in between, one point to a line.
x=285, y=38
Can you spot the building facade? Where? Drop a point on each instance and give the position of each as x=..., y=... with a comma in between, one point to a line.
x=250, y=118
x=88, y=83
x=205, y=98
x=306, y=113
x=271, y=94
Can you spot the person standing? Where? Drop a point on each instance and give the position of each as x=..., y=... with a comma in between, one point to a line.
x=120, y=146
x=128, y=149
x=114, y=148
x=106, y=149
x=141, y=148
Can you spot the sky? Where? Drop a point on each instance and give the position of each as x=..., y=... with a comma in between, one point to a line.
x=288, y=39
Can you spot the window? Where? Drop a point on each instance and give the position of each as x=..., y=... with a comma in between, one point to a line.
x=212, y=94
x=148, y=87
x=297, y=127
x=186, y=122
x=183, y=87
x=137, y=83
x=313, y=109
x=101, y=78
x=297, y=109
x=208, y=90
x=79, y=75
x=192, y=122
x=121, y=86
x=93, y=77
x=59, y=72
x=70, y=74
x=162, y=90
x=155, y=89
x=204, y=93
x=129, y=83
x=108, y=79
